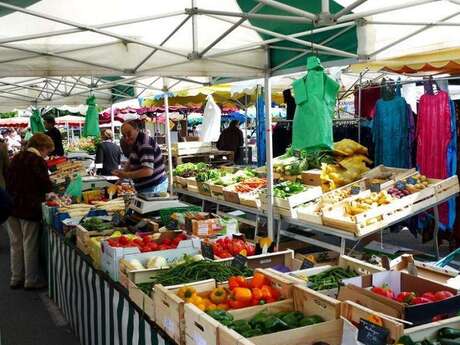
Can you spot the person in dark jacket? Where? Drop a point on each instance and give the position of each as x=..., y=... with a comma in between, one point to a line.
x=27, y=183
x=55, y=135
x=108, y=154
x=231, y=139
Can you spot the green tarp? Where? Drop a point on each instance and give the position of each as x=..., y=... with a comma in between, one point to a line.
x=91, y=127
x=36, y=122
x=347, y=41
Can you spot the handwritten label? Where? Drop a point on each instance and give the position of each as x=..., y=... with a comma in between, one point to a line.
x=371, y=334
x=400, y=185
x=239, y=261
x=355, y=190
x=306, y=264
x=411, y=180
x=207, y=251
x=375, y=187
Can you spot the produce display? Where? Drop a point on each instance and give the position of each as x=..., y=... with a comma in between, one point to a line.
x=293, y=162
x=191, y=271
x=190, y=169
x=329, y=279
x=96, y=224
x=229, y=179
x=444, y=336
x=408, y=186
x=360, y=205
x=352, y=162
x=264, y=322
x=208, y=174
x=410, y=297
x=87, y=145
x=228, y=247
x=239, y=294
x=287, y=189
x=146, y=243
x=250, y=185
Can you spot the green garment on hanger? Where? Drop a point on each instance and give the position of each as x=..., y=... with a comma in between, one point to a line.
x=315, y=97
x=36, y=122
x=91, y=127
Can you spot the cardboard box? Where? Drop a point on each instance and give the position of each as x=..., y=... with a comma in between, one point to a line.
x=358, y=290
x=312, y=177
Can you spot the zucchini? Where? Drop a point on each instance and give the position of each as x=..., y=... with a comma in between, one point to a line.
x=449, y=333
x=444, y=341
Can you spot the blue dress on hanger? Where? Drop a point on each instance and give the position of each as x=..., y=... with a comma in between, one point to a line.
x=390, y=133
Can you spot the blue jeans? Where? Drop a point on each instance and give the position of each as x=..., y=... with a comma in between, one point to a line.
x=162, y=187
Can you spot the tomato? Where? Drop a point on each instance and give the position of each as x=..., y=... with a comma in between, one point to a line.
x=237, y=281
x=429, y=295
x=123, y=240
x=420, y=300
x=442, y=295
x=251, y=249
x=238, y=246
x=225, y=255
x=167, y=241
x=405, y=297
x=154, y=246
x=383, y=291
x=164, y=247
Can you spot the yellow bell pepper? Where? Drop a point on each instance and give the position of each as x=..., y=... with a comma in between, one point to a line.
x=186, y=293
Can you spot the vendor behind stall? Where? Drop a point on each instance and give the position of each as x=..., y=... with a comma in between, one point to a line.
x=145, y=166
x=108, y=154
x=55, y=135
x=231, y=139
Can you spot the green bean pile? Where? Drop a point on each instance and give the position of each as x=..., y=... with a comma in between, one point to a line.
x=330, y=279
x=190, y=272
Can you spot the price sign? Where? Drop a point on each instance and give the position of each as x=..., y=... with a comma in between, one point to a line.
x=239, y=261
x=375, y=187
x=411, y=180
x=355, y=190
x=207, y=251
x=306, y=264
x=400, y=185
x=371, y=334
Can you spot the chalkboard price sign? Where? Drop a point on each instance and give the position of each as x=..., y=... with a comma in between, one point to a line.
x=355, y=190
x=375, y=187
x=239, y=261
x=207, y=251
x=371, y=334
x=306, y=264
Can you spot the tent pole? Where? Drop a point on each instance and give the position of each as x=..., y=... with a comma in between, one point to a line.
x=168, y=136
x=268, y=146
x=294, y=10
x=112, y=119
x=359, y=105
x=348, y=9
x=325, y=7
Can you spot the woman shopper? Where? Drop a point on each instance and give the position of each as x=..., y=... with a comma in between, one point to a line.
x=108, y=154
x=27, y=183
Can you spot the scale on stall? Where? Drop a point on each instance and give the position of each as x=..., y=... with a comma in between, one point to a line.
x=144, y=203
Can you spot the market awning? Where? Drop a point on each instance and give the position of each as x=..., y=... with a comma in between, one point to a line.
x=439, y=61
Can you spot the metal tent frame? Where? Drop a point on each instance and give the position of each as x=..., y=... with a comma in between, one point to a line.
x=44, y=89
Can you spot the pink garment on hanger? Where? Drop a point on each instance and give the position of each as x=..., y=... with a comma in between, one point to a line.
x=433, y=137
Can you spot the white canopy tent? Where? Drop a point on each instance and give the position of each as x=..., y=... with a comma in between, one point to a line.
x=56, y=51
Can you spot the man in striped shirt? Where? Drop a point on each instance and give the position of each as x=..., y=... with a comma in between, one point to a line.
x=145, y=165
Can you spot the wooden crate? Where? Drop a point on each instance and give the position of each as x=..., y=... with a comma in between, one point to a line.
x=203, y=188
x=191, y=183
x=182, y=181
x=312, y=177
x=142, y=300
x=446, y=188
x=393, y=174
x=309, y=213
x=200, y=328
x=230, y=195
x=381, y=216
x=295, y=200
x=344, y=261
x=354, y=312
x=251, y=199
x=169, y=308
x=191, y=147
x=266, y=260
x=429, y=331
x=425, y=270
x=217, y=191
x=83, y=237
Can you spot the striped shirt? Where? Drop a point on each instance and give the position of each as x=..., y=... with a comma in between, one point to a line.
x=147, y=154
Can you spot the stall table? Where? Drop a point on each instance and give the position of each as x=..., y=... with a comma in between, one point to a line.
x=211, y=157
x=307, y=227
x=98, y=310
